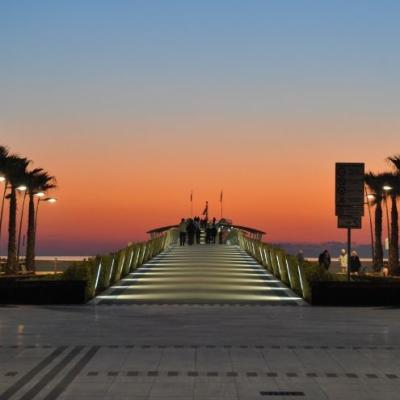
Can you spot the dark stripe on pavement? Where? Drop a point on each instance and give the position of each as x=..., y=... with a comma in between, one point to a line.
x=31, y=374
x=66, y=381
x=30, y=394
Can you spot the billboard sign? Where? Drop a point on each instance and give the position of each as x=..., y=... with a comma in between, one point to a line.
x=349, y=198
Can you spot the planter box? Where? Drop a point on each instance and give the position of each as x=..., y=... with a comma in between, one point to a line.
x=41, y=291
x=356, y=293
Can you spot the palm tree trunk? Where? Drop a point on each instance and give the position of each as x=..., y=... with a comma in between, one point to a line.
x=378, y=253
x=11, y=266
x=30, y=246
x=394, y=238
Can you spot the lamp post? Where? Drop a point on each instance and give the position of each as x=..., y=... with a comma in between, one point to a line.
x=370, y=197
x=387, y=189
x=21, y=188
x=50, y=200
x=2, y=179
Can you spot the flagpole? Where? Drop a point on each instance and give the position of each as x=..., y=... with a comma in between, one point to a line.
x=221, y=201
x=191, y=204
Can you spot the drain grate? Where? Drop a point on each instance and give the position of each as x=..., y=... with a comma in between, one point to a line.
x=282, y=393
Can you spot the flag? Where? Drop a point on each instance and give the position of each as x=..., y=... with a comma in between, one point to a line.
x=205, y=212
x=221, y=196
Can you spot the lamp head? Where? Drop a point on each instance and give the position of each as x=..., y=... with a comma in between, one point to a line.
x=22, y=188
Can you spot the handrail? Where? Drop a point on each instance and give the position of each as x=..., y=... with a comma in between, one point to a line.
x=284, y=266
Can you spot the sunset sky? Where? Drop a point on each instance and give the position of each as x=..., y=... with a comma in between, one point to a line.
x=133, y=104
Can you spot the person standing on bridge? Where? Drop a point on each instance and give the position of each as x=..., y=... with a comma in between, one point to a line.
x=191, y=230
x=198, y=230
x=214, y=231
x=208, y=232
x=182, y=232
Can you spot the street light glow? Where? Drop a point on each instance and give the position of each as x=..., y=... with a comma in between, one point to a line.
x=2, y=178
x=22, y=188
x=371, y=197
x=40, y=194
x=387, y=188
x=51, y=200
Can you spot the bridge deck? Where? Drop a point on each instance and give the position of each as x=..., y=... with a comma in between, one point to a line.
x=200, y=274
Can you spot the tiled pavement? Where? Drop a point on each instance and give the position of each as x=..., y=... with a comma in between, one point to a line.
x=211, y=350
x=199, y=372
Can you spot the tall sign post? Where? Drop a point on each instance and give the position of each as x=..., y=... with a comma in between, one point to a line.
x=349, y=200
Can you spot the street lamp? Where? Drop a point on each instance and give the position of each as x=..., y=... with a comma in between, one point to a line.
x=370, y=197
x=2, y=179
x=50, y=200
x=387, y=189
x=21, y=188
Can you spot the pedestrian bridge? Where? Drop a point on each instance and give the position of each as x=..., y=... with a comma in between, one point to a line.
x=200, y=274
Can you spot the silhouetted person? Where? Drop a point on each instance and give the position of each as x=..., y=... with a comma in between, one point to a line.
x=208, y=232
x=214, y=231
x=324, y=259
x=355, y=263
x=191, y=229
x=182, y=232
x=221, y=235
x=198, y=231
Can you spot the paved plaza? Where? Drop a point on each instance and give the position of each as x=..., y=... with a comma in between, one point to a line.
x=130, y=348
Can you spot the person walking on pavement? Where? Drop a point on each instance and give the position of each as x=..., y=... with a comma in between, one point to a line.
x=343, y=261
x=182, y=232
x=355, y=263
x=324, y=259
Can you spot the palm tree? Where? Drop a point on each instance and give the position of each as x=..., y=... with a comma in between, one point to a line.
x=375, y=182
x=394, y=183
x=3, y=162
x=15, y=170
x=38, y=180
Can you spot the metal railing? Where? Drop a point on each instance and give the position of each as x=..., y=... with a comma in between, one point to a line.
x=111, y=268
x=283, y=266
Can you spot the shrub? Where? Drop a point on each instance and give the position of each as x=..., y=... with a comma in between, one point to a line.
x=83, y=271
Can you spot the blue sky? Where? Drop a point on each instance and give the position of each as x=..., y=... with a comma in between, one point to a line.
x=135, y=51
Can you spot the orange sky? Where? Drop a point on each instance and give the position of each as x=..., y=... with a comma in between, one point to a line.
x=118, y=179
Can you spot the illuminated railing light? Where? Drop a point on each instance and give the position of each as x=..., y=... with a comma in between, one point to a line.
x=98, y=276
x=111, y=269
x=288, y=271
